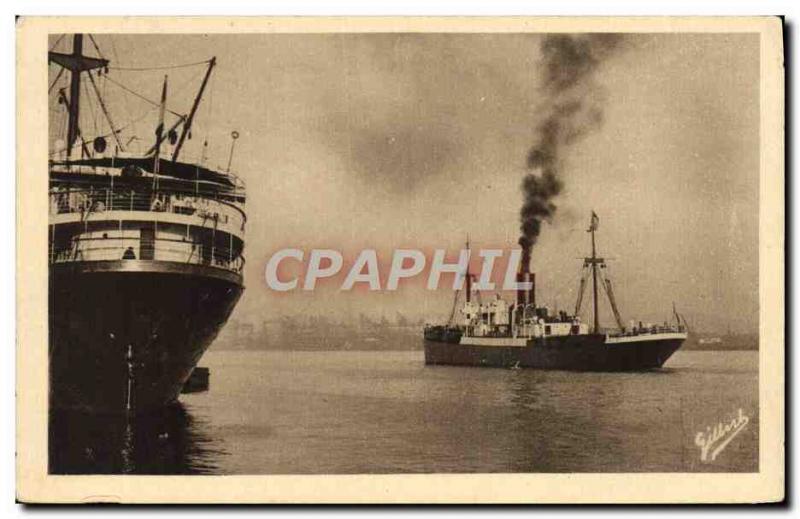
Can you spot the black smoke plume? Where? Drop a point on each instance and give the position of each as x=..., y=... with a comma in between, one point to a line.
x=572, y=105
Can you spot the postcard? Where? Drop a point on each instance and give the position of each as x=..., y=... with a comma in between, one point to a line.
x=400, y=260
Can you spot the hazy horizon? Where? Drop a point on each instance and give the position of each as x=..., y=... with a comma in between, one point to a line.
x=388, y=141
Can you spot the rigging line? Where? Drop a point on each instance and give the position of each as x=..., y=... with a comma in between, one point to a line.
x=209, y=113
x=92, y=111
x=96, y=47
x=60, y=124
x=611, y=299
x=140, y=96
x=453, y=309
x=211, y=99
x=58, y=110
x=105, y=111
x=58, y=76
x=192, y=79
x=103, y=85
x=113, y=48
x=116, y=60
x=119, y=130
x=583, y=278
x=564, y=288
x=56, y=43
x=165, y=67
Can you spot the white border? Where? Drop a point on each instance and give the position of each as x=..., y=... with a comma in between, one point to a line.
x=496, y=7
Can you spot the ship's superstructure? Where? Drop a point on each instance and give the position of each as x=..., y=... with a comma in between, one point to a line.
x=145, y=255
x=524, y=334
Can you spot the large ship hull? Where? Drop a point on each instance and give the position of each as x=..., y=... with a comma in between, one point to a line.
x=125, y=335
x=573, y=352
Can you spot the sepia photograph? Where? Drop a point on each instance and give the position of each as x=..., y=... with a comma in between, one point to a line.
x=398, y=249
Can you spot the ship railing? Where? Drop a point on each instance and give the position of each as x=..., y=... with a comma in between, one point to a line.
x=87, y=201
x=159, y=249
x=237, y=183
x=648, y=330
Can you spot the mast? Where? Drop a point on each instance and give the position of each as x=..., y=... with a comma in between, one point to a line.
x=160, y=128
x=172, y=128
x=592, y=263
x=594, y=281
x=74, y=96
x=75, y=63
x=469, y=277
x=188, y=126
x=455, y=295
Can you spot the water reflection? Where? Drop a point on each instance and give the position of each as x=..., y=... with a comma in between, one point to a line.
x=554, y=425
x=169, y=441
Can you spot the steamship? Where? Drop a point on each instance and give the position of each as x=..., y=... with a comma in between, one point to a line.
x=145, y=250
x=526, y=335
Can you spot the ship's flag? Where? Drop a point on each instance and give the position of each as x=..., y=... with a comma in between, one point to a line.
x=595, y=222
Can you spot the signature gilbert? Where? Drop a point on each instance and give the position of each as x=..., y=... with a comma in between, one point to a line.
x=715, y=439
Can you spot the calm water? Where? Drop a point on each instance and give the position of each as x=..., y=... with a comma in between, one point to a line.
x=281, y=412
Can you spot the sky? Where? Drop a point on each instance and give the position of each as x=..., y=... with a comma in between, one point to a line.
x=389, y=141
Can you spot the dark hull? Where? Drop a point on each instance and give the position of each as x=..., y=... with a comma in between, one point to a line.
x=575, y=353
x=125, y=335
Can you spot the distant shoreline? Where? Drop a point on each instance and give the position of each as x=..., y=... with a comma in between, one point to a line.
x=228, y=347
x=323, y=336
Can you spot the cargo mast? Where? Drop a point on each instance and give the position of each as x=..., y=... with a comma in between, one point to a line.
x=594, y=263
x=469, y=276
x=592, y=229
x=75, y=63
x=468, y=290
